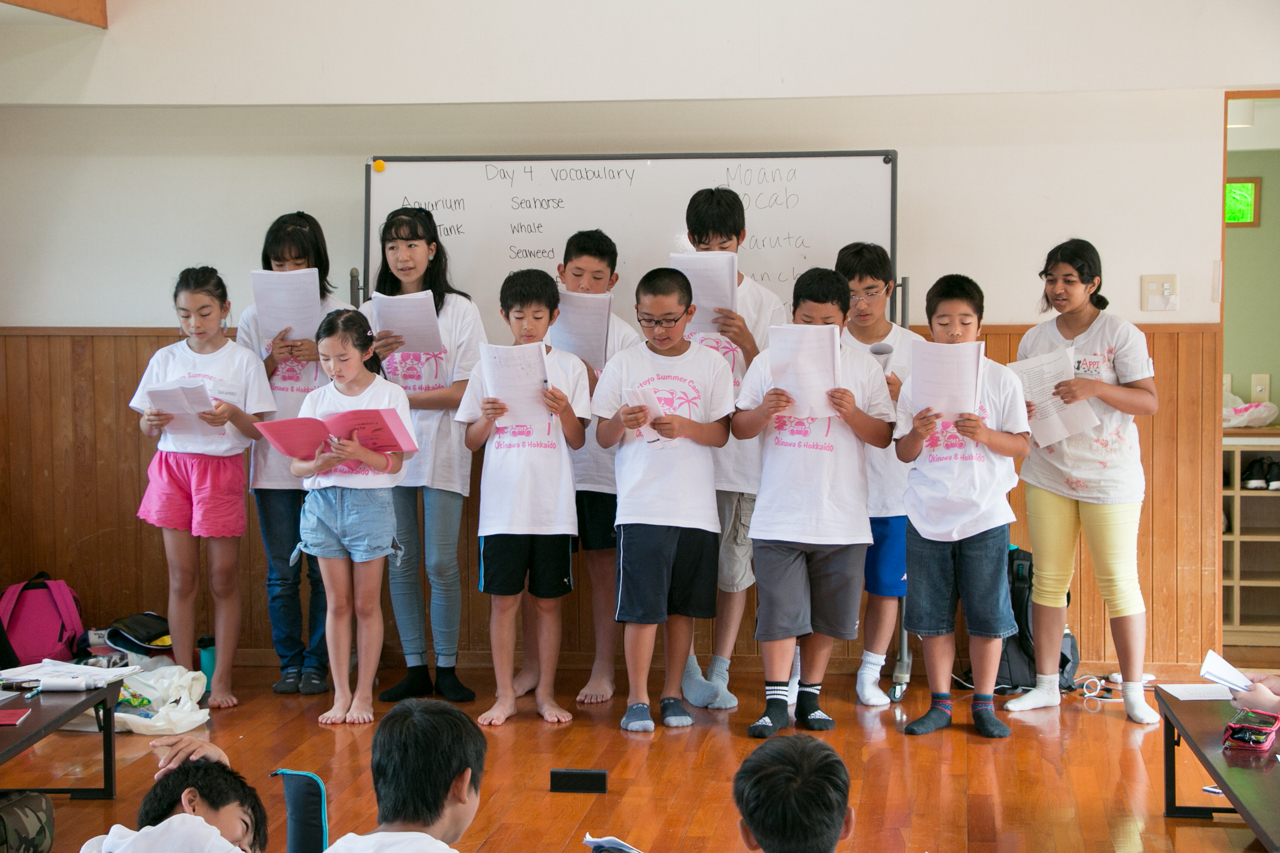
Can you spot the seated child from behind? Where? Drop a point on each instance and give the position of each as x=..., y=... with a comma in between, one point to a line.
x=793, y=795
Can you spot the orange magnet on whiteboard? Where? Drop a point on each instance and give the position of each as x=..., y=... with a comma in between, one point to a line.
x=378, y=165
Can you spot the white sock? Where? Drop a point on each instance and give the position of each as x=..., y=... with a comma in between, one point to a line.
x=793, y=685
x=1135, y=704
x=868, y=682
x=1044, y=695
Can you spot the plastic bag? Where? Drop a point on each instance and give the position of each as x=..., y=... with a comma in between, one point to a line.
x=1237, y=413
x=160, y=702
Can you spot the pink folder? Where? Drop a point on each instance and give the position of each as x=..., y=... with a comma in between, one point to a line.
x=380, y=429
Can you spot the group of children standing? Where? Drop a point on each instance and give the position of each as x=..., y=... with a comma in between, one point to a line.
x=679, y=511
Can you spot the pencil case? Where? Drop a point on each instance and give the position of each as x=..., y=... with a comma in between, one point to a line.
x=1252, y=730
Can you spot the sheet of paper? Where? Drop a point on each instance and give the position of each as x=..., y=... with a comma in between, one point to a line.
x=610, y=842
x=412, y=316
x=714, y=277
x=944, y=377
x=583, y=326
x=646, y=397
x=1054, y=420
x=287, y=300
x=98, y=676
x=184, y=400
x=1197, y=692
x=517, y=376
x=1216, y=669
x=805, y=362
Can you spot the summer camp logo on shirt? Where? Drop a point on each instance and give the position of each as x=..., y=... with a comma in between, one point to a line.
x=673, y=399
x=521, y=436
x=946, y=438
x=791, y=432
x=416, y=371
x=291, y=377
x=720, y=344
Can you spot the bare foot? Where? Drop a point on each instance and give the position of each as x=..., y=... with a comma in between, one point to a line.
x=599, y=689
x=220, y=695
x=497, y=715
x=338, y=713
x=553, y=713
x=361, y=711
x=525, y=680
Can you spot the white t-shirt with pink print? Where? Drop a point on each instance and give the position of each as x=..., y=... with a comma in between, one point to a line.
x=813, y=480
x=1102, y=465
x=290, y=384
x=957, y=488
x=738, y=462
x=672, y=485
x=442, y=461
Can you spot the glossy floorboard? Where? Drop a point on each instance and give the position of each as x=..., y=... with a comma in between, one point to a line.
x=1081, y=779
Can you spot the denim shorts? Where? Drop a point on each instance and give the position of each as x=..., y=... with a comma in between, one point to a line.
x=338, y=522
x=973, y=571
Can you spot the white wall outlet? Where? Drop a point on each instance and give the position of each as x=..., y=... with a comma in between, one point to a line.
x=1260, y=388
x=1226, y=383
x=1160, y=293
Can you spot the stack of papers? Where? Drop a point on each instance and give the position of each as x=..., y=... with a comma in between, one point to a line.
x=56, y=674
x=412, y=317
x=184, y=400
x=287, y=300
x=1219, y=671
x=517, y=376
x=1054, y=420
x=944, y=377
x=714, y=278
x=805, y=362
x=583, y=326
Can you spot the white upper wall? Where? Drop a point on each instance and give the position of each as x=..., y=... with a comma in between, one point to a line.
x=228, y=52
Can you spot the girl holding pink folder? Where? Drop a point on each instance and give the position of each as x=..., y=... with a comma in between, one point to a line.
x=347, y=518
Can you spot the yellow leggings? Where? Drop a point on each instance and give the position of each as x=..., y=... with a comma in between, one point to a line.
x=1112, y=533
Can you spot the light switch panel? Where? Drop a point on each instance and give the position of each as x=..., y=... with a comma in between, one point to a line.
x=1226, y=383
x=1260, y=388
x=1160, y=292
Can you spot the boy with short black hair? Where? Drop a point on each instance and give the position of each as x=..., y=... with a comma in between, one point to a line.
x=869, y=271
x=667, y=521
x=428, y=758
x=793, y=795
x=810, y=529
x=958, y=514
x=198, y=805
x=716, y=222
x=527, y=514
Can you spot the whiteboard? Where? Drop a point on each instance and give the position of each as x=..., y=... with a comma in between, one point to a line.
x=497, y=215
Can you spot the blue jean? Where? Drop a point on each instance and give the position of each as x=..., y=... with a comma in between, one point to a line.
x=973, y=572
x=279, y=517
x=442, y=517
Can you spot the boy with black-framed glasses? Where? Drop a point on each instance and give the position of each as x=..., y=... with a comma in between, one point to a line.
x=668, y=526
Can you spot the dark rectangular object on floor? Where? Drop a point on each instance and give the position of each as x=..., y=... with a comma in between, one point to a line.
x=579, y=781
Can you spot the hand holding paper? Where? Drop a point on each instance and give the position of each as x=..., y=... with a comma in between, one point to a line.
x=645, y=397
x=375, y=429
x=517, y=376
x=1052, y=420
x=185, y=400
x=805, y=362
x=945, y=377
x=287, y=300
x=1217, y=670
x=411, y=317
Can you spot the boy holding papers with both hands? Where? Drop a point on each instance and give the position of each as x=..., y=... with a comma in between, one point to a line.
x=957, y=506
x=810, y=530
x=527, y=513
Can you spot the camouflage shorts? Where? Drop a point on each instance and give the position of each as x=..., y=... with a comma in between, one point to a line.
x=26, y=823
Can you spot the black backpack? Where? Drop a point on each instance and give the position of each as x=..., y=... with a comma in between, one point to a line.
x=1018, y=660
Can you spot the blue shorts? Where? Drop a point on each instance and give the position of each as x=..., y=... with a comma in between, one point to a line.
x=973, y=572
x=886, y=572
x=665, y=571
x=338, y=523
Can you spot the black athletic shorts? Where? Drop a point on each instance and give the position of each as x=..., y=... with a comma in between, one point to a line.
x=596, y=512
x=666, y=571
x=506, y=559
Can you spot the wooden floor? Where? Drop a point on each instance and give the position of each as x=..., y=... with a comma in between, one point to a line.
x=1082, y=779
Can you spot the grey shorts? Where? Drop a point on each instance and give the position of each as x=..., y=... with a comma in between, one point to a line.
x=805, y=589
x=735, y=509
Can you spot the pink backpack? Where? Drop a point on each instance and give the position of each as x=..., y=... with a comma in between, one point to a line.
x=42, y=619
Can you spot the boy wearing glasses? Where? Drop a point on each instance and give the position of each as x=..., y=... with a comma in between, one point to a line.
x=668, y=526
x=716, y=222
x=869, y=272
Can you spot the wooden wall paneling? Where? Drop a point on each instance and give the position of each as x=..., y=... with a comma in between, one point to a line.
x=18, y=390
x=116, y=586
x=1189, y=502
x=1146, y=570
x=83, y=554
x=39, y=409
x=124, y=557
x=153, y=574
x=1162, y=498
x=62, y=461
x=1210, y=458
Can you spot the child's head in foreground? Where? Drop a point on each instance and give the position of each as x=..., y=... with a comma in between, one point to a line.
x=664, y=306
x=793, y=796
x=428, y=758
x=590, y=263
x=716, y=220
x=954, y=308
x=869, y=273
x=530, y=303
x=216, y=794
x=820, y=298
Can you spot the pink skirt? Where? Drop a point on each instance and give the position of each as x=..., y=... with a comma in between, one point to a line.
x=191, y=491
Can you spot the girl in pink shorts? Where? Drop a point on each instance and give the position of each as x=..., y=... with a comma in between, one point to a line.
x=195, y=482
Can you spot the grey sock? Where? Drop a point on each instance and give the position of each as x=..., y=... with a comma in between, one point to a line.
x=932, y=720
x=718, y=674
x=674, y=714
x=637, y=718
x=984, y=720
x=698, y=690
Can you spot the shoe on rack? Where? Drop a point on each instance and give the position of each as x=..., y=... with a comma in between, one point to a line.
x=1273, y=476
x=1255, y=473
